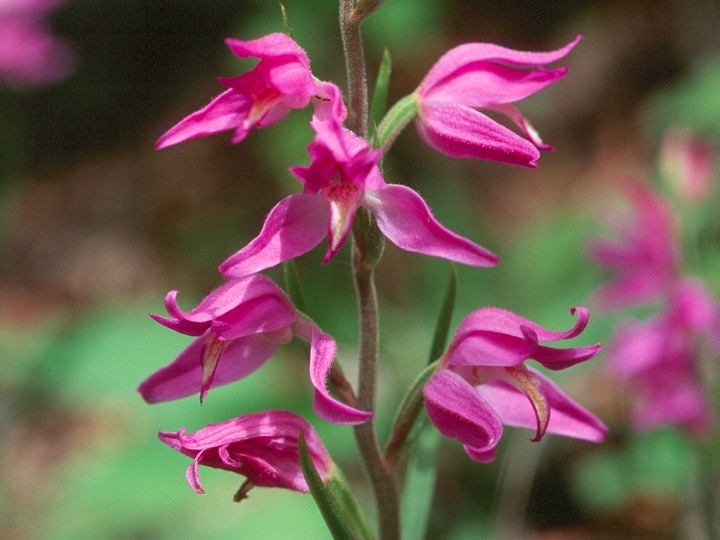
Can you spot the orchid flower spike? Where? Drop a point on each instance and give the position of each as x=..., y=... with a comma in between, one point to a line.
x=262, y=447
x=489, y=77
x=238, y=327
x=281, y=81
x=659, y=360
x=344, y=175
x=645, y=255
x=482, y=382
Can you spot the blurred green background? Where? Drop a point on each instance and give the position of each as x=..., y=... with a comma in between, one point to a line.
x=96, y=226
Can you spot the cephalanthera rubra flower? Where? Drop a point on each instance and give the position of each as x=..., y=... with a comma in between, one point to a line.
x=342, y=176
x=262, y=447
x=482, y=382
x=477, y=77
x=281, y=81
x=239, y=327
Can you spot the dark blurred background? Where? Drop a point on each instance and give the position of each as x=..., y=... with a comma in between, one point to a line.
x=96, y=226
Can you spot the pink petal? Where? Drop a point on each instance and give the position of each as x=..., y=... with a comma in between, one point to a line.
x=567, y=418
x=227, y=111
x=485, y=84
x=406, y=220
x=461, y=57
x=294, y=226
x=322, y=355
x=459, y=131
x=270, y=46
x=184, y=375
x=458, y=412
x=261, y=446
x=506, y=322
x=329, y=105
x=494, y=337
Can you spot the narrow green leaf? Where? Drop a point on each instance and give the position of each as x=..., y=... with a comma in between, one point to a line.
x=378, y=106
x=407, y=415
x=292, y=284
x=442, y=326
x=419, y=486
x=334, y=500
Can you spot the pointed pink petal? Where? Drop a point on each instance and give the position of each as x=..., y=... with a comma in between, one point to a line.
x=270, y=46
x=458, y=412
x=461, y=57
x=459, y=131
x=258, y=315
x=322, y=355
x=184, y=375
x=227, y=111
x=406, y=220
x=485, y=84
x=566, y=417
x=294, y=226
x=497, y=337
x=506, y=322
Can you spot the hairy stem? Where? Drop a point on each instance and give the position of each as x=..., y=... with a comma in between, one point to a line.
x=355, y=64
x=380, y=474
x=366, y=252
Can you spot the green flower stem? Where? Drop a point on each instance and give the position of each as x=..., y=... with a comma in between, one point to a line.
x=366, y=252
x=355, y=63
x=381, y=476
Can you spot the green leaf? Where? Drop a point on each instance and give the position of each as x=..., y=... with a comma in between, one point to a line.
x=293, y=286
x=419, y=485
x=378, y=106
x=442, y=326
x=407, y=415
x=335, y=500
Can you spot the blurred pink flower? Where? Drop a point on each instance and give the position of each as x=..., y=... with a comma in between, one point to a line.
x=281, y=81
x=489, y=77
x=29, y=54
x=645, y=256
x=343, y=175
x=687, y=162
x=262, y=447
x=659, y=358
x=483, y=382
x=238, y=327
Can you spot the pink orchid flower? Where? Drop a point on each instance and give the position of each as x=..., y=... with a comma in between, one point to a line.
x=343, y=175
x=482, y=382
x=489, y=77
x=239, y=327
x=262, y=447
x=645, y=255
x=30, y=54
x=280, y=82
x=659, y=359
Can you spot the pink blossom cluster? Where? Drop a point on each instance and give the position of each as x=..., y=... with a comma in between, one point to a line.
x=660, y=357
x=30, y=55
x=481, y=382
